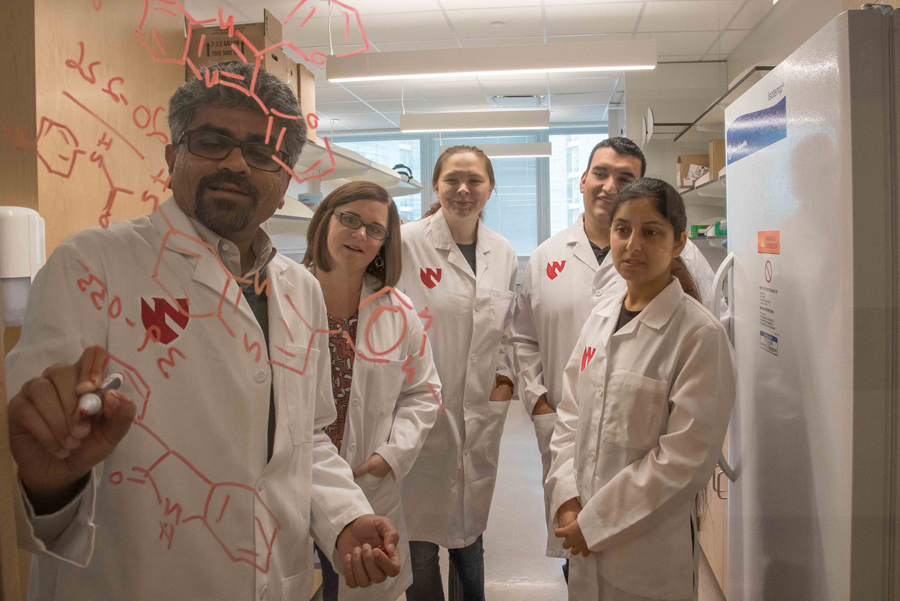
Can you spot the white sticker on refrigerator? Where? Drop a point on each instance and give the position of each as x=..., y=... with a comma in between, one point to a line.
x=768, y=312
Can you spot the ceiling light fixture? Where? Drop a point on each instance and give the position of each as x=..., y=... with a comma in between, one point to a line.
x=514, y=151
x=502, y=60
x=475, y=121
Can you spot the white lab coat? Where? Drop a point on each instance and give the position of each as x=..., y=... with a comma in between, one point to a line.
x=562, y=283
x=186, y=507
x=391, y=411
x=641, y=425
x=447, y=494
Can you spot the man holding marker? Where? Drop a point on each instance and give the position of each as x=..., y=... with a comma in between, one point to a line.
x=565, y=278
x=206, y=474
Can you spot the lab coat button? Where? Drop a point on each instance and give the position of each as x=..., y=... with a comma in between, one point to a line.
x=467, y=451
x=262, y=592
x=225, y=246
x=352, y=446
x=472, y=357
x=467, y=405
x=478, y=307
x=597, y=293
x=355, y=402
x=593, y=456
x=261, y=375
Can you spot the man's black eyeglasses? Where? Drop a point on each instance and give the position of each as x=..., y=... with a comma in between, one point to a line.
x=210, y=145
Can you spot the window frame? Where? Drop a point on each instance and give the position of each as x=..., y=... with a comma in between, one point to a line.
x=427, y=158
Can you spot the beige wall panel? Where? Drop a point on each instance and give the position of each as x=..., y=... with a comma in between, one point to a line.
x=77, y=93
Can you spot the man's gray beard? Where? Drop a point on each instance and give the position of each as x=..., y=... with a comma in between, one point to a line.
x=222, y=216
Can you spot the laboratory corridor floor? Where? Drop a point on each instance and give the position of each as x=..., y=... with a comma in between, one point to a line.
x=515, y=565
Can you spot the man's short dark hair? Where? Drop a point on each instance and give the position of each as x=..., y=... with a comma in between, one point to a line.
x=622, y=146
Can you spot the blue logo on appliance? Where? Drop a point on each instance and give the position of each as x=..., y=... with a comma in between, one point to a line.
x=754, y=131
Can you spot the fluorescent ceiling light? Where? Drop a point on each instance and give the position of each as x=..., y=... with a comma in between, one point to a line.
x=475, y=121
x=513, y=151
x=501, y=60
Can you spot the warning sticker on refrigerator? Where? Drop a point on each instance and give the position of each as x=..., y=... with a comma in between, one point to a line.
x=768, y=309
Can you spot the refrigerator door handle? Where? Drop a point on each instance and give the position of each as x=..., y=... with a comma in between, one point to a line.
x=726, y=469
x=727, y=264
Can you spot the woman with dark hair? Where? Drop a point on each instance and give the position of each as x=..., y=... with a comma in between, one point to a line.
x=647, y=395
x=465, y=275
x=382, y=372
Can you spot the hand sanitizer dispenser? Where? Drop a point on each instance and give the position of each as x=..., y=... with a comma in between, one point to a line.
x=22, y=253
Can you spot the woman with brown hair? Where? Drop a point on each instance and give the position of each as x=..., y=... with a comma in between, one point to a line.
x=465, y=275
x=384, y=380
x=647, y=394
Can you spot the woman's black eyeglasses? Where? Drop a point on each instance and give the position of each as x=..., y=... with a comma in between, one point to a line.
x=373, y=230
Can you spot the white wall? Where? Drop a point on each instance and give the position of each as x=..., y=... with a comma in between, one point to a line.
x=786, y=26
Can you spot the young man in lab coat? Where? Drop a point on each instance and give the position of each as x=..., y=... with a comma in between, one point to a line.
x=207, y=473
x=564, y=279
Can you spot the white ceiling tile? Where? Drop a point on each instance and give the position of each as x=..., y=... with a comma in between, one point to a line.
x=513, y=87
x=386, y=91
x=406, y=27
x=575, y=39
x=462, y=4
x=727, y=11
x=751, y=14
x=413, y=105
x=521, y=22
x=371, y=7
x=728, y=41
x=418, y=45
x=667, y=44
x=436, y=89
x=209, y=9
x=577, y=113
x=684, y=58
x=488, y=42
x=333, y=94
x=549, y=3
x=680, y=16
x=459, y=103
x=618, y=17
x=582, y=86
x=342, y=108
x=571, y=100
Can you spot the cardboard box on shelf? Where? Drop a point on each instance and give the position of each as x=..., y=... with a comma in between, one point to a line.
x=716, y=157
x=219, y=47
x=306, y=93
x=683, y=169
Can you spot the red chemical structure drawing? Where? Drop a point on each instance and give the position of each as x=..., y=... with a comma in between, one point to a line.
x=186, y=497
x=57, y=147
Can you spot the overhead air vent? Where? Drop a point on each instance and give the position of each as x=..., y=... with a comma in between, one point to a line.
x=518, y=102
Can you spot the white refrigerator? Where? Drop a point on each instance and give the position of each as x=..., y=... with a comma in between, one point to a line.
x=814, y=229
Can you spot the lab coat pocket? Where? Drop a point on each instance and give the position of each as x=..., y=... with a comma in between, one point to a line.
x=484, y=427
x=501, y=304
x=634, y=410
x=382, y=387
x=297, y=586
x=299, y=391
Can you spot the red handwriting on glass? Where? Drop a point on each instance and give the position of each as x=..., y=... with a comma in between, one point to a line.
x=89, y=76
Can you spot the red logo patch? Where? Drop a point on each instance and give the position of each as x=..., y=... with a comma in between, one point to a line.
x=555, y=268
x=586, y=356
x=156, y=317
x=430, y=277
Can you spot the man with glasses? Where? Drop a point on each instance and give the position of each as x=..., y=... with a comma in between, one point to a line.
x=207, y=472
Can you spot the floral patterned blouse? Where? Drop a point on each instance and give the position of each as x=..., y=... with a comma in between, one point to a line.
x=342, y=356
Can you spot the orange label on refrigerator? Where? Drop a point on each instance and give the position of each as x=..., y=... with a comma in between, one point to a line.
x=769, y=242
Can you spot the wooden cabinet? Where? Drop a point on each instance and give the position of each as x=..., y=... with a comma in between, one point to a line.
x=714, y=525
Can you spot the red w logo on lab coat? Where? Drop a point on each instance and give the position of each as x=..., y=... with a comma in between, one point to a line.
x=586, y=356
x=555, y=268
x=157, y=317
x=430, y=277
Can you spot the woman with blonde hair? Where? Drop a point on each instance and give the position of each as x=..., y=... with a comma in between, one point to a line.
x=465, y=275
x=384, y=380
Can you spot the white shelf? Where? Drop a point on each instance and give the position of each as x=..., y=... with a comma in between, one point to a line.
x=710, y=194
x=350, y=166
x=710, y=125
